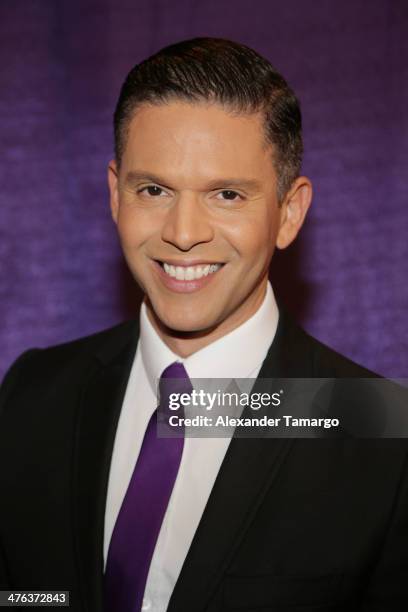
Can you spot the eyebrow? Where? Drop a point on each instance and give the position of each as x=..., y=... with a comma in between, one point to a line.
x=135, y=176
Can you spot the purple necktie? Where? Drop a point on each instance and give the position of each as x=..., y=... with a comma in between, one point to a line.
x=141, y=514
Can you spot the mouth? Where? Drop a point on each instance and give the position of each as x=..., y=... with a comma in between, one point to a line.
x=187, y=276
x=188, y=272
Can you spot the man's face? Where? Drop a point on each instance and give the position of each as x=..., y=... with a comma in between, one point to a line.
x=195, y=202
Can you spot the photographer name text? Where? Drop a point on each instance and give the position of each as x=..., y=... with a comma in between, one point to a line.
x=227, y=421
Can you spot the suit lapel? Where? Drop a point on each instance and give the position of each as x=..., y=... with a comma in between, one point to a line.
x=247, y=473
x=99, y=411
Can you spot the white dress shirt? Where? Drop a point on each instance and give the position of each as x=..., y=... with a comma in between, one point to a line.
x=238, y=354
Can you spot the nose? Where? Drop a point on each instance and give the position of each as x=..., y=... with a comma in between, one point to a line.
x=187, y=223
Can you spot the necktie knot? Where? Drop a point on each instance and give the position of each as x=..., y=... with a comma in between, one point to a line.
x=174, y=379
x=175, y=370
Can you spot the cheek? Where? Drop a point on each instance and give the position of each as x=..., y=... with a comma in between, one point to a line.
x=252, y=237
x=135, y=227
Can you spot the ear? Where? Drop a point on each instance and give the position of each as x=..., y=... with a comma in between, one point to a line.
x=294, y=208
x=113, y=189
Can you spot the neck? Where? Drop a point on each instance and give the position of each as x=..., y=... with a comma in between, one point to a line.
x=185, y=344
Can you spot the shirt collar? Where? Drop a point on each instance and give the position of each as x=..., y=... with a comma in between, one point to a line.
x=238, y=354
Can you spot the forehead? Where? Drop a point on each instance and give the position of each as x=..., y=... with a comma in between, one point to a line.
x=199, y=138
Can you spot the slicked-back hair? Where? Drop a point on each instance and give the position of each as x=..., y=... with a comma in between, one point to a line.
x=224, y=72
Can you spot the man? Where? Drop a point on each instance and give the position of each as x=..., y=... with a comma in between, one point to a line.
x=204, y=185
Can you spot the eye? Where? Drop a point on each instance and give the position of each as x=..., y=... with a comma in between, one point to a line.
x=228, y=194
x=152, y=191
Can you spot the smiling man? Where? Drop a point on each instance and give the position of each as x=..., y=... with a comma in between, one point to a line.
x=204, y=186
x=196, y=201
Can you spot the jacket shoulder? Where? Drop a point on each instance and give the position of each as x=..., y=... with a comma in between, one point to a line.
x=103, y=344
x=38, y=366
x=304, y=354
x=328, y=360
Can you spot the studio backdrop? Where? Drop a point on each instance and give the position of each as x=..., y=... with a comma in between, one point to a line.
x=62, y=64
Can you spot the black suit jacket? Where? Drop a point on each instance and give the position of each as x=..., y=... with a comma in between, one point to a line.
x=291, y=524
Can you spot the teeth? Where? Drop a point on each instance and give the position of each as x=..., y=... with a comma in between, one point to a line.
x=190, y=272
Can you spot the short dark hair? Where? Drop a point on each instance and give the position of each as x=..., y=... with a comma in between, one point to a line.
x=222, y=71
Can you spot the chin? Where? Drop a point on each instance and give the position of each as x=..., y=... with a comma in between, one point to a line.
x=181, y=322
x=187, y=326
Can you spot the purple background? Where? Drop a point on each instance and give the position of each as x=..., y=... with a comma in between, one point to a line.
x=62, y=63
